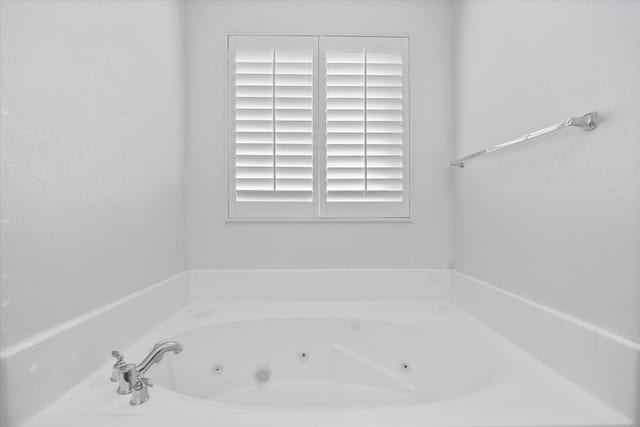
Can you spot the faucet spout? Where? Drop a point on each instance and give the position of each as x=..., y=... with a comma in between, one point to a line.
x=156, y=354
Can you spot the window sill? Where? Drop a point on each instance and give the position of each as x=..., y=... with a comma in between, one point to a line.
x=322, y=220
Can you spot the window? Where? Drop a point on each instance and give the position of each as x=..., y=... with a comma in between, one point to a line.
x=319, y=127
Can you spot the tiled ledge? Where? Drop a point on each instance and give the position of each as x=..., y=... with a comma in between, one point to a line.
x=603, y=364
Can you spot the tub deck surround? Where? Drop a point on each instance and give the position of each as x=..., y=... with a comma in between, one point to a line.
x=560, y=371
x=604, y=364
x=521, y=392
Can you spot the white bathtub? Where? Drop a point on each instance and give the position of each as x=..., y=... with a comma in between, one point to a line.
x=364, y=364
x=346, y=361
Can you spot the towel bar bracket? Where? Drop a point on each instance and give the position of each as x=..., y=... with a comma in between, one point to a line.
x=587, y=122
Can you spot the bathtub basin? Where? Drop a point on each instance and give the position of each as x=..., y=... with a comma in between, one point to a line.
x=330, y=361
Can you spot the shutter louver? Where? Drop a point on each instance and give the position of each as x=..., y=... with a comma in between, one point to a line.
x=274, y=125
x=364, y=126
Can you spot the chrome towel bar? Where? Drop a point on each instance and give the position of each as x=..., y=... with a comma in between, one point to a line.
x=587, y=122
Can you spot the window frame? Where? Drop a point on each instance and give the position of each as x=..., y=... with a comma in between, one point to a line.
x=261, y=211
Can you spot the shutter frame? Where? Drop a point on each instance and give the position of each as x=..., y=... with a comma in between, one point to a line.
x=318, y=208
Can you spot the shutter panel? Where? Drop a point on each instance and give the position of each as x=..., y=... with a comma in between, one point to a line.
x=366, y=122
x=273, y=117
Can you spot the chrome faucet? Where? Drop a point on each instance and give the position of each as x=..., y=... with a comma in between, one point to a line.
x=156, y=354
x=130, y=377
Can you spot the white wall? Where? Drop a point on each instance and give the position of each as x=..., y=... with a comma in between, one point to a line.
x=213, y=243
x=557, y=221
x=92, y=156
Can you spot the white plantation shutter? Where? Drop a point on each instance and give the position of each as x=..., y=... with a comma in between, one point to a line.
x=365, y=102
x=272, y=84
x=319, y=127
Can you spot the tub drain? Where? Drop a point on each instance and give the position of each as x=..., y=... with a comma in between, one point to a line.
x=262, y=374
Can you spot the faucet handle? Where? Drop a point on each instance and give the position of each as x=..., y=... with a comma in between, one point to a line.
x=118, y=366
x=140, y=392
